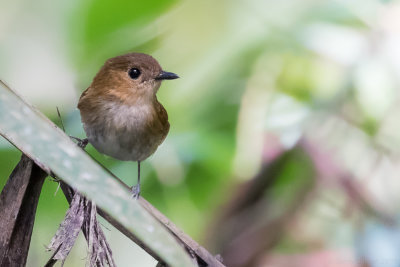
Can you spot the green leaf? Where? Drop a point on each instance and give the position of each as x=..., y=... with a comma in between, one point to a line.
x=47, y=145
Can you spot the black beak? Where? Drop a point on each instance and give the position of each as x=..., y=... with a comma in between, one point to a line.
x=164, y=75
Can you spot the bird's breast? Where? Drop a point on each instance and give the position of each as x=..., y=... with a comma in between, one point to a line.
x=127, y=132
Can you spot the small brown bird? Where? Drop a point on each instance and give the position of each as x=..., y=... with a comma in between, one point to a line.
x=120, y=112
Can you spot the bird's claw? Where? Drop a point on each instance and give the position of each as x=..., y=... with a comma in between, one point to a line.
x=82, y=143
x=135, y=191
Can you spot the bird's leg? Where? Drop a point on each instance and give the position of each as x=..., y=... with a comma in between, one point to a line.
x=82, y=143
x=136, y=188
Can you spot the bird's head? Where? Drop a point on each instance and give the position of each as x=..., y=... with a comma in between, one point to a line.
x=133, y=76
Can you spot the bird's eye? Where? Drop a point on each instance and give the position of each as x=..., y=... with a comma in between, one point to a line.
x=134, y=73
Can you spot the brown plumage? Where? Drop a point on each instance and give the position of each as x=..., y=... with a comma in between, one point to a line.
x=120, y=112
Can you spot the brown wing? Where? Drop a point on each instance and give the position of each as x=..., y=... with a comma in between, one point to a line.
x=82, y=99
x=84, y=93
x=163, y=117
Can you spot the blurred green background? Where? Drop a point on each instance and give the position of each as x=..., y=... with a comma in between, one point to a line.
x=306, y=88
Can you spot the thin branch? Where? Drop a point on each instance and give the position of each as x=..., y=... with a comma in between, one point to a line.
x=61, y=121
x=203, y=257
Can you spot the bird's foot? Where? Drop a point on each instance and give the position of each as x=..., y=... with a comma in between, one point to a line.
x=82, y=143
x=135, y=191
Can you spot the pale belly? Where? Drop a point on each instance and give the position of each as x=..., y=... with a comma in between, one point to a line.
x=125, y=137
x=128, y=145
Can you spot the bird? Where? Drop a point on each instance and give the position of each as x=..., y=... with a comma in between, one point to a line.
x=120, y=112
